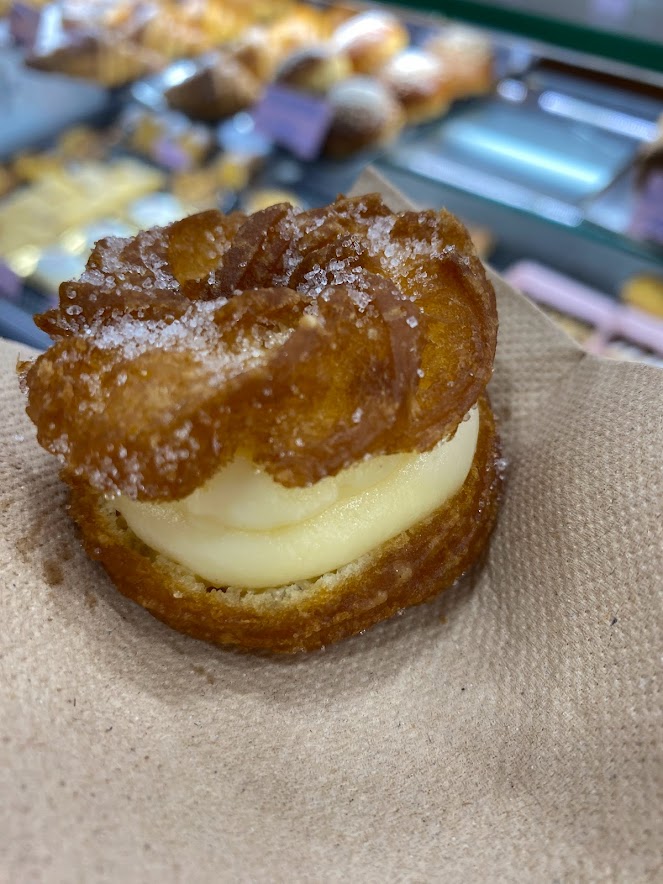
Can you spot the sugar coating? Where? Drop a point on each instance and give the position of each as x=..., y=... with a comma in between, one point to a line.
x=167, y=334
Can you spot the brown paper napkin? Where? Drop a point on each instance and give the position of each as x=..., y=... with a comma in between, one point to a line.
x=510, y=731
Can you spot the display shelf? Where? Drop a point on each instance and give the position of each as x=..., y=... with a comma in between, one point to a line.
x=35, y=107
x=619, y=31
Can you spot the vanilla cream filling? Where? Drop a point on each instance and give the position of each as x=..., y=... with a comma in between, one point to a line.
x=244, y=529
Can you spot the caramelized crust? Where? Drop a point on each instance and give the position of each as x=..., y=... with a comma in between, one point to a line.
x=408, y=570
x=307, y=340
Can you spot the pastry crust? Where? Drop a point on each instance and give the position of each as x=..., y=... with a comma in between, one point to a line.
x=365, y=115
x=407, y=570
x=370, y=39
x=420, y=82
x=221, y=88
x=377, y=338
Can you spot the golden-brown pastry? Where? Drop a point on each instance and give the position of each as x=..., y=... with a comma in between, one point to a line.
x=220, y=88
x=254, y=50
x=146, y=132
x=644, y=291
x=275, y=426
x=33, y=166
x=81, y=143
x=365, y=115
x=370, y=39
x=96, y=57
x=315, y=69
x=468, y=56
x=7, y=180
x=263, y=198
x=420, y=82
x=304, y=26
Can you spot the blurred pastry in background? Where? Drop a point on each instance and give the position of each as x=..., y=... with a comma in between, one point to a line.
x=336, y=14
x=171, y=35
x=103, y=59
x=482, y=240
x=365, y=115
x=220, y=88
x=28, y=167
x=7, y=180
x=170, y=139
x=421, y=83
x=67, y=197
x=263, y=198
x=235, y=171
x=370, y=39
x=115, y=43
x=254, y=50
x=81, y=143
x=468, y=56
x=645, y=292
x=216, y=183
x=315, y=69
x=304, y=26
x=198, y=188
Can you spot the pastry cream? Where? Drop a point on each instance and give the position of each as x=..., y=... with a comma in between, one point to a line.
x=244, y=529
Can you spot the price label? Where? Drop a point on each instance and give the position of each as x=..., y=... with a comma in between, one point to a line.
x=171, y=155
x=24, y=23
x=10, y=282
x=602, y=12
x=294, y=120
x=647, y=222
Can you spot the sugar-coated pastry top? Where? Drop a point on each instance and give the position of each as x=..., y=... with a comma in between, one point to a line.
x=304, y=341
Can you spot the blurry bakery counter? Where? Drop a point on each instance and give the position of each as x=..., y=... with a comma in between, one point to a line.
x=49, y=223
x=550, y=162
x=543, y=153
x=34, y=107
x=145, y=169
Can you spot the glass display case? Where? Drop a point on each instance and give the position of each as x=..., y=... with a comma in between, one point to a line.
x=546, y=164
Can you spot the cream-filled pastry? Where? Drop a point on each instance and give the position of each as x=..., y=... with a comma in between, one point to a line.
x=274, y=426
x=244, y=529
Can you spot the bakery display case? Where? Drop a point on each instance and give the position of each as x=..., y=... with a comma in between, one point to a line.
x=537, y=123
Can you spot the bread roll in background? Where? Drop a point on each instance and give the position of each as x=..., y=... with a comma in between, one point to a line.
x=421, y=83
x=468, y=57
x=254, y=50
x=315, y=69
x=366, y=115
x=370, y=39
x=223, y=86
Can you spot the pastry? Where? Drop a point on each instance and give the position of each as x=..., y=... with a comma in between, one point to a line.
x=254, y=50
x=95, y=57
x=365, y=115
x=263, y=198
x=315, y=69
x=7, y=180
x=370, y=39
x=304, y=26
x=644, y=291
x=468, y=56
x=275, y=426
x=420, y=82
x=220, y=88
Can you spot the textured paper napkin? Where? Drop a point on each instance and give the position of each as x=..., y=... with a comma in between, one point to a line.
x=509, y=731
